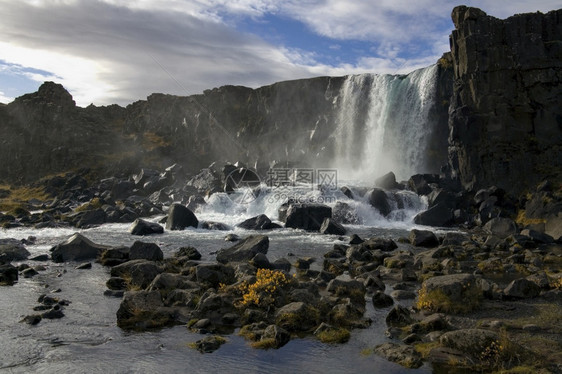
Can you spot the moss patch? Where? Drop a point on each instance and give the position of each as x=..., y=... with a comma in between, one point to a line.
x=336, y=335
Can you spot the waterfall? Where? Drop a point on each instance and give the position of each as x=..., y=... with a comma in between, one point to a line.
x=383, y=124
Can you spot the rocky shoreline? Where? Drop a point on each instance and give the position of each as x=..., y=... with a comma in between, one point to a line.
x=485, y=298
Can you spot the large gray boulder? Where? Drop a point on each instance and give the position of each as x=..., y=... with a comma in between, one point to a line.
x=438, y=215
x=12, y=250
x=379, y=200
x=140, y=273
x=180, y=217
x=244, y=250
x=76, y=248
x=450, y=293
x=307, y=216
x=387, y=181
x=501, y=227
x=423, y=238
x=141, y=227
x=146, y=251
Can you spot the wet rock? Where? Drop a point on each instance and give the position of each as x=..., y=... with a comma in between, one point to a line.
x=382, y=300
x=387, y=181
x=261, y=261
x=260, y=222
x=29, y=273
x=40, y=258
x=307, y=216
x=180, y=217
x=331, y=227
x=209, y=344
x=345, y=214
x=116, y=283
x=76, y=248
x=351, y=288
x=115, y=256
x=141, y=310
x=32, y=319
x=438, y=215
x=501, y=227
x=8, y=275
x=189, y=252
x=402, y=354
x=419, y=183
x=355, y=239
x=214, y=274
x=231, y=238
x=141, y=227
x=54, y=313
x=399, y=316
x=166, y=282
x=139, y=272
x=297, y=316
x=146, y=251
x=209, y=225
x=12, y=250
x=244, y=250
x=522, y=289
x=384, y=244
x=281, y=264
x=379, y=200
x=423, y=238
x=275, y=336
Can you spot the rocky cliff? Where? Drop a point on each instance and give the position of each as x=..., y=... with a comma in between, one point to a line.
x=291, y=122
x=506, y=113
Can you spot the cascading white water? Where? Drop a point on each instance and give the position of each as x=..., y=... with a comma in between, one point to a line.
x=383, y=124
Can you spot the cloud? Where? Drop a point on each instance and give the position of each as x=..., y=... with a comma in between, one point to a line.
x=116, y=51
x=5, y=99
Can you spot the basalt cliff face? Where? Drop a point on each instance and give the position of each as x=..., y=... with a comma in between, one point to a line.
x=505, y=116
x=286, y=123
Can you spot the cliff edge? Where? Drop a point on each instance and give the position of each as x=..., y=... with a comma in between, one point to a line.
x=505, y=117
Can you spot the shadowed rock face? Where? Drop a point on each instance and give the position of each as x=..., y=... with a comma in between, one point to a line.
x=505, y=114
x=291, y=122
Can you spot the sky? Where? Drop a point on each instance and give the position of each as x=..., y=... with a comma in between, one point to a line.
x=120, y=51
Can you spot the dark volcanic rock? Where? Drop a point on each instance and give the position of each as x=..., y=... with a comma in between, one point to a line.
x=438, y=215
x=261, y=222
x=8, y=275
x=387, y=181
x=142, y=227
x=501, y=227
x=505, y=111
x=330, y=226
x=379, y=200
x=76, y=248
x=307, y=216
x=423, y=238
x=12, y=250
x=180, y=217
x=245, y=250
x=146, y=251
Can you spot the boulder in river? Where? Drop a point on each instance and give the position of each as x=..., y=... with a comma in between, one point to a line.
x=180, y=217
x=307, y=216
x=12, y=250
x=245, y=250
x=76, y=248
x=141, y=227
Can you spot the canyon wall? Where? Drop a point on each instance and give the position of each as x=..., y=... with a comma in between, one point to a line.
x=505, y=116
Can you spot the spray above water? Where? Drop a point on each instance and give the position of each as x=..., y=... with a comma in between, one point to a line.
x=384, y=124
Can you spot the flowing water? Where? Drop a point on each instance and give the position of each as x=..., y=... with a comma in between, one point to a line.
x=383, y=123
x=381, y=127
